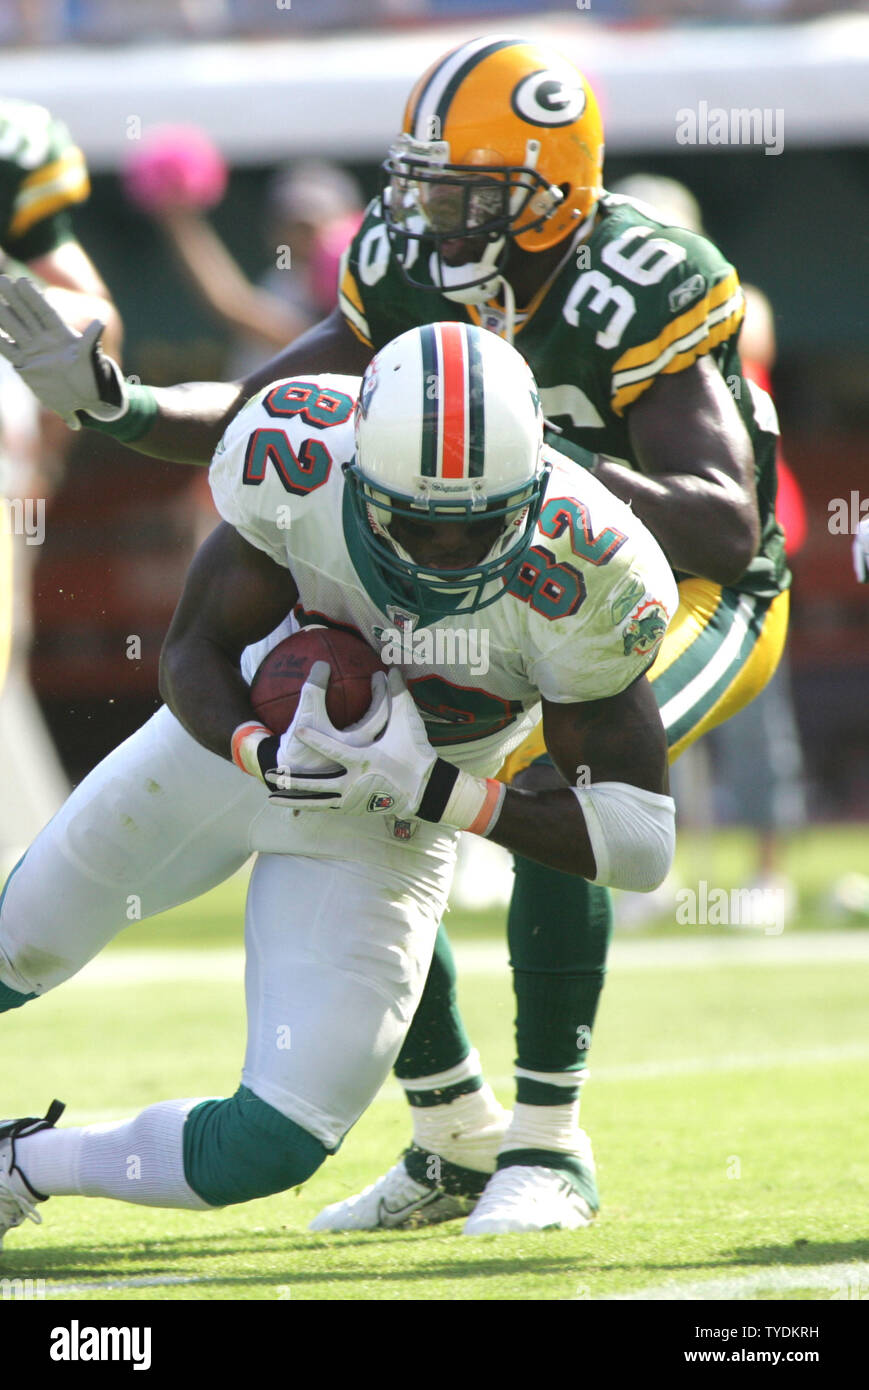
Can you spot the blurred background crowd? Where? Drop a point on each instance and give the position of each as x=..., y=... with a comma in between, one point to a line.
x=219, y=248
x=88, y=21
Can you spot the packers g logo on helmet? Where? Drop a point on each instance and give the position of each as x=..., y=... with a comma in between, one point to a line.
x=502, y=141
x=548, y=98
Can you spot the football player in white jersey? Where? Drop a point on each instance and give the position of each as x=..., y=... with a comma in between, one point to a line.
x=422, y=510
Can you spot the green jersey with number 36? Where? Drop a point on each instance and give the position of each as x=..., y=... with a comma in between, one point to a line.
x=636, y=300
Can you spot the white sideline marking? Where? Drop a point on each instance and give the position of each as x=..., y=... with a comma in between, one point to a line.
x=744, y=948
x=848, y=1281
x=226, y=963
x=630, y=1071
x=690, y=1066
x=157, y=1281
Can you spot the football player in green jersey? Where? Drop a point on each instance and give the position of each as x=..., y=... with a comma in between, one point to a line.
x=493, y=212
x=42, y=174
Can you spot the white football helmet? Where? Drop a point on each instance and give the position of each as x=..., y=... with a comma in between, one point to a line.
x=449, y=428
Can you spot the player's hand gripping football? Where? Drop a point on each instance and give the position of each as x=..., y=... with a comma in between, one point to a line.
x=380, y=765
x=66, y=370
x=286, y=759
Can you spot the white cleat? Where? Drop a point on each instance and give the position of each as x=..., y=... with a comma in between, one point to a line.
x=17, y=1198
x=528, y=1199
x=428, y=1184
x=396, y=1199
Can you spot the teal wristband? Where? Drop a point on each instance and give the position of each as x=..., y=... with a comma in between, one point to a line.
x=136, y=420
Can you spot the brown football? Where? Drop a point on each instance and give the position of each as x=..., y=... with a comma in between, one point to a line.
x=275, y=688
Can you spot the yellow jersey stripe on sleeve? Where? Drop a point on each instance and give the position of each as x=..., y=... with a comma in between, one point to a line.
x=357, y=332
x=719, y=322
x=350, y=302
x=347, y=282
x=678, y=327
x=47, y=190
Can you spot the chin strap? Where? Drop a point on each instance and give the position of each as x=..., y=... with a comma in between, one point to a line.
x=509, y=311
x=484, y=275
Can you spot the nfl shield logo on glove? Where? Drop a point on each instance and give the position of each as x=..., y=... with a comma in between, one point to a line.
x=380, y=801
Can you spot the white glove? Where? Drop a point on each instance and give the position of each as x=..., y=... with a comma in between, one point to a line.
x=296, y=760
x=861, y=551
x=66, y=370
x=384, y=772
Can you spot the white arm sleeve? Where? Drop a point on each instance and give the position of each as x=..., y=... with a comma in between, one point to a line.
x=632, y=833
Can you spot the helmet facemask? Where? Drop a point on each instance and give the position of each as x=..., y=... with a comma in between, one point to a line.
x=430, y=592
x=449, y=429
x=429, y=202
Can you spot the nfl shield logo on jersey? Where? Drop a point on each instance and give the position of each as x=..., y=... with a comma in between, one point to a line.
x=380, y=801
x=403, y=829
x=404, y=621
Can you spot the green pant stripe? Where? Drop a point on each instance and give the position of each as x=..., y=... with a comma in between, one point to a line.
x=691, y=662
x=679, y=727
x=699, y=662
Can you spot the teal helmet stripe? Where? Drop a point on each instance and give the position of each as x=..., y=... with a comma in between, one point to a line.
x=431, y=424
x=476, y=406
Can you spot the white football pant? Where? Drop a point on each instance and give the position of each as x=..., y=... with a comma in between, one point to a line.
x=340, y=923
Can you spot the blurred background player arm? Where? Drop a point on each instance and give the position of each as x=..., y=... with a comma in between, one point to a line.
x=311, y=210
x=192, y=417
x=42, y=175
x=223, y=286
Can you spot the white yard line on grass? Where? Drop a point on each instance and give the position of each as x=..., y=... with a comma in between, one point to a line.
x=839, y=1281
x=630, y=1071
x=226, y=963
x=156, y=1281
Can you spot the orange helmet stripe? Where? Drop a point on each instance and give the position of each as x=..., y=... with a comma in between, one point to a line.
x=454, y=425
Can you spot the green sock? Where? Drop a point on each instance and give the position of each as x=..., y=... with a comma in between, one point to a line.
x=436, y=1040
x=559, y=930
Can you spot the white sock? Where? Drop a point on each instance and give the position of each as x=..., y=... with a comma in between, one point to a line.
x=466, y=1132
x=139, y=1160
x=553, y=1127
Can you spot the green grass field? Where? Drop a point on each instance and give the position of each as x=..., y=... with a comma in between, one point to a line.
x=727, y=1106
